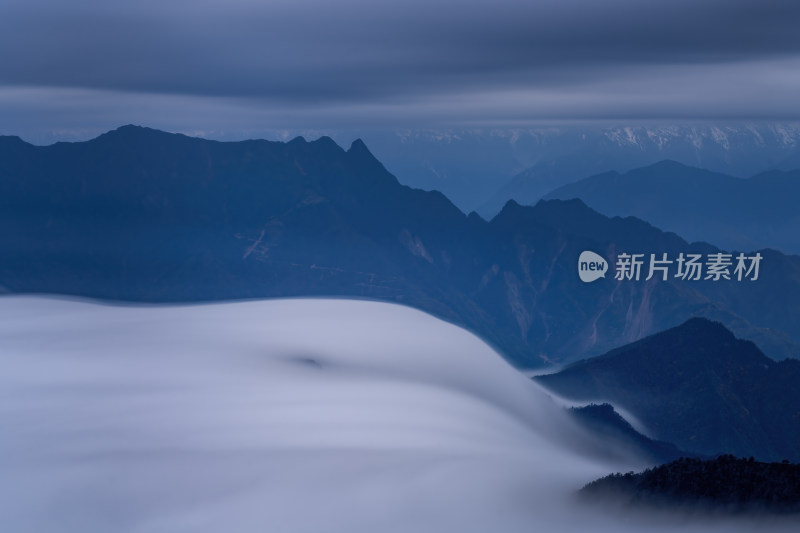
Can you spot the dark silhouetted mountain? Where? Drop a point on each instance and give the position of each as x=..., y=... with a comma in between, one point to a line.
x=733, y=213
x=568, y=154
x=613, y=430
x=466, y=165
x=138, y=214
x=482, y=168
x=725, y=484
x=539, y=247
x=699, y=387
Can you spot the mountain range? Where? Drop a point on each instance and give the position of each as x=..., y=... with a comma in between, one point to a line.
x=562, y=155
x=480, y=169
x=734, y=213
x=698, y=387
x=142, y=215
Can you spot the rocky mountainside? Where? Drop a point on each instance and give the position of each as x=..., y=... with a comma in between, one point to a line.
x=698, y=387
x=142, y=215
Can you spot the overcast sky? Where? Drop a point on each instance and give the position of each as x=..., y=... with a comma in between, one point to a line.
x=84, y=66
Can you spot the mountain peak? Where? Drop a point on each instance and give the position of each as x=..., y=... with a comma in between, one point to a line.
x=511, y=205
x=358, y=146
x=133, y=129
x=361, y=155
x=474, y=217
x=707, y=326
x=510, y=213
x=359, y=149
x=131, y=132
x=669, y=164
x=695, y=385
x=327, y=142
x=697, y=336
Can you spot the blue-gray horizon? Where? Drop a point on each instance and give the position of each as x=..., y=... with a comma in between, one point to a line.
x=91, y=66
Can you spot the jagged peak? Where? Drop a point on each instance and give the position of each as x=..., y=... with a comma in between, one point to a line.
x=511, y=206
x=327, y=142
x=358, y=149
x=510, y=210
x=358, y=146
x=473, y=216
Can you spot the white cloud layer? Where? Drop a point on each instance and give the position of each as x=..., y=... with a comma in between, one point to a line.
x=288, y=415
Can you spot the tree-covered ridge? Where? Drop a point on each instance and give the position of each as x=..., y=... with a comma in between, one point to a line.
x=726, y=483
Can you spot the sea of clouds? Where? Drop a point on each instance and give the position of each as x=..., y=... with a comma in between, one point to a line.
x=304, y=415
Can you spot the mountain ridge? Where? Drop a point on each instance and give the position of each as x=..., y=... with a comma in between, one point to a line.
x=725, y=484
x=698, y=387
x=741, y=150
x=174, y=218
x=733, y=213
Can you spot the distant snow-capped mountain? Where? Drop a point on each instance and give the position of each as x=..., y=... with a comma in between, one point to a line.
x=481, y=169
x=737, y=150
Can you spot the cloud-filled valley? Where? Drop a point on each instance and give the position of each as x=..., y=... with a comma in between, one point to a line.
x=290, y=415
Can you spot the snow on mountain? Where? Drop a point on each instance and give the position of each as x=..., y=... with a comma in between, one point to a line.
x=482, y=168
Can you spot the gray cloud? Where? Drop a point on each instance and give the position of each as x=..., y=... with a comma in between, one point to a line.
x=357, y=61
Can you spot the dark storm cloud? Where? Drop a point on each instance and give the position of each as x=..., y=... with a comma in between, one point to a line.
x=417, y=57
